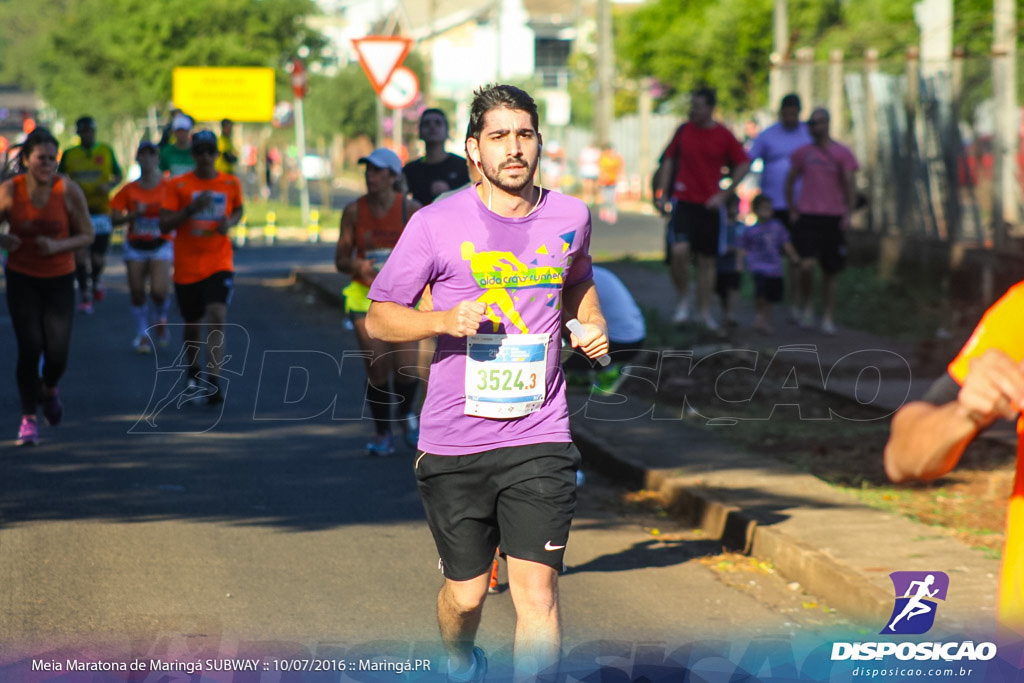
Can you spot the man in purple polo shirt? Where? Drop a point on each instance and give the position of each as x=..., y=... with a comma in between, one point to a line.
x=507, y=264
x=774, y=146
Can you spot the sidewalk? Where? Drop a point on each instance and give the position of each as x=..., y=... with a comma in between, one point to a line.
x=834, y=546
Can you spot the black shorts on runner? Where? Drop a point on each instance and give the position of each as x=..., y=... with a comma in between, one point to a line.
x=821, y=237
x=768, y=288
x=696, y=224
x=100, y=243
x=194, y=297
x=522, y=497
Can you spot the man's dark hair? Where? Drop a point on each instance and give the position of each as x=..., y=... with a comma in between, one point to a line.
x=707, y=94
x=85, y=122
x=436, y=112
x=790, y=100
x=495, y=97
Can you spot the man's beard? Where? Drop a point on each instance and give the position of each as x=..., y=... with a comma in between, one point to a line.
x=509, y=185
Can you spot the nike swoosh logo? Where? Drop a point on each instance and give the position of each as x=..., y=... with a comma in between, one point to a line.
x=548, y=546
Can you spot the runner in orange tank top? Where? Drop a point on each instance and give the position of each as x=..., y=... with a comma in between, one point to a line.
x=48, y=220
x=370, y=228
x=985, y=383
x=147, y=252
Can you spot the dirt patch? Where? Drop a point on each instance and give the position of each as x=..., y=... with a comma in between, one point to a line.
x=797, y=423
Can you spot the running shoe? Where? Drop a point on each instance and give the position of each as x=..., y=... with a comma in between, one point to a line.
x=381, y=445
x=828, y=327
x=807, y=321
x=98, y=291
x=162, y=334
x=682, y=314
x=476, y=673
x=492, y=587
x=609, y=379
x=141, y=344
x=412, y=429
x=216, y=398
x=28, y=434
x=85, y=307
x=53, y=409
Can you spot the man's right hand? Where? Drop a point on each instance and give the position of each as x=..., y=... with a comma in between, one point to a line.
x=465, y=319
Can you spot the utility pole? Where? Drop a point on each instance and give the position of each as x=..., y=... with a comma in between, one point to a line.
x=605, y=111
x=1005, y=211
x=778, y=82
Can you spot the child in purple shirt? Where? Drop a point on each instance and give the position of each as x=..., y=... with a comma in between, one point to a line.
x=763, y=245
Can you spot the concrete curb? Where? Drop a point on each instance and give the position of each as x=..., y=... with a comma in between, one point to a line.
x=740, y=531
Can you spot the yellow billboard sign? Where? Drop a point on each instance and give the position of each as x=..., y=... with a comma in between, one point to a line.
x=240, y=93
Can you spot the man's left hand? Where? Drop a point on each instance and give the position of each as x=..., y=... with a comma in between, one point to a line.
x=594, y=342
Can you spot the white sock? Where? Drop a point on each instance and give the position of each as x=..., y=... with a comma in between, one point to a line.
x=141, y=315
x=163, y=309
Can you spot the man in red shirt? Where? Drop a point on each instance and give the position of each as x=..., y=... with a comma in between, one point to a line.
x=690, y=175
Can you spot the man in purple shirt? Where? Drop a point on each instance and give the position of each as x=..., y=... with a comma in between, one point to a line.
x=774, y=146
x=507, y=264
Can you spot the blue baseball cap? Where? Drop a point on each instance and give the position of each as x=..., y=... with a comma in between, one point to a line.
x=204, y=138
x=383, y=157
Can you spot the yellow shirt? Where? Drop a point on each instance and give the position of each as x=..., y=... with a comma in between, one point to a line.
x=225, y=146
x=92, y=169
x=1000, y=328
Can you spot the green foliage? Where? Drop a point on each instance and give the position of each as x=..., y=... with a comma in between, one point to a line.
x=115, y=57
x=727, y=43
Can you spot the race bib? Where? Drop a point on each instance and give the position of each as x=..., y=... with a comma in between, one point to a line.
x=101, y=224
x=146, y=228
x=505, y=374
x=377, y=257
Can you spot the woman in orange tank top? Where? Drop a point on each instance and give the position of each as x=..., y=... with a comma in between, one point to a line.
x=370, y=228
x=48, y=220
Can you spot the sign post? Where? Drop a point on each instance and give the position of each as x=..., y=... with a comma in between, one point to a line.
x=381, y=58
x=300, y=86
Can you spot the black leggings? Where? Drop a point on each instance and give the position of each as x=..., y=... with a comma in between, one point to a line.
x=41, y=312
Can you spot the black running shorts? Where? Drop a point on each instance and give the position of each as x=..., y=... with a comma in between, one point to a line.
x=696, y=224
x=821, y=237
x=195, y=296
x=521, y=497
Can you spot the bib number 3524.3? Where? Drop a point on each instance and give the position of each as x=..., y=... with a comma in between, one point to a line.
x=505, y=374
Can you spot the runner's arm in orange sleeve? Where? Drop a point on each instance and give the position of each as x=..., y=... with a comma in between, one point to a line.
x=927, y=440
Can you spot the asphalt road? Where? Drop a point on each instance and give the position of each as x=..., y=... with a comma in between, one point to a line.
x=261, y=525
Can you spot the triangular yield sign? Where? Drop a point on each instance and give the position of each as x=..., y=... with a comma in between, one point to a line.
x=380, y=56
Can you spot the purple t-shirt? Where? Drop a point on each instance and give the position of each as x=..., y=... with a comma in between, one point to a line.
x=763, y=245
x=519, y=268
x=774, y=146
x=824, y=174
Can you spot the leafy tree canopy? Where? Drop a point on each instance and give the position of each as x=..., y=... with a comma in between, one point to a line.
x=114, y=58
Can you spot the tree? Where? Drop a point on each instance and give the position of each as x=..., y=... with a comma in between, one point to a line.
x=346, y=103
x=114, y=58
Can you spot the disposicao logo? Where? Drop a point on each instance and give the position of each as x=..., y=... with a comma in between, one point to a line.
x=916, y=596
x=913, y=613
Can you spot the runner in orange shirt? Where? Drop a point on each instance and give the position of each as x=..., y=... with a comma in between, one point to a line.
x=47, y=221
x=147, y=253
x=202, y=206
x=985, y=382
